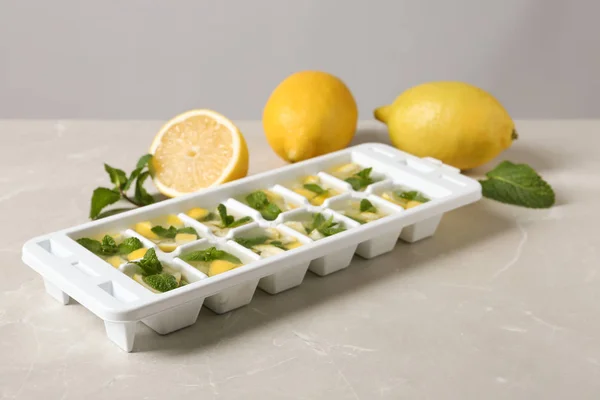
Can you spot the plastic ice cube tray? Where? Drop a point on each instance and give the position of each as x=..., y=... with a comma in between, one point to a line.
x=70, y=270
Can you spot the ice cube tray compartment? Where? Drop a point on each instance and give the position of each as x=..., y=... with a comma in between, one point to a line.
x=70, y=270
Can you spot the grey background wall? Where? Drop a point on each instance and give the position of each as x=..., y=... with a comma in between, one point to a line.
x=152, y=59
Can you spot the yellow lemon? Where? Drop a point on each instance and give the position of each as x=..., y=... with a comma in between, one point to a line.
x=457, y=123
x=309, y=114
x=196, y=150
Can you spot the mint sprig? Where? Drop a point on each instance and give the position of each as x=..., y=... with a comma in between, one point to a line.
x=210, y=254
x=149, y=264
x=326, y=227
x=367, y=206
x=229, y=221
x=517, y=184
x=260, y=202
x=171, y=231
x=251, y=242
x=316, y=189
x=361, y=179
x=103, y=197
x=161, y=282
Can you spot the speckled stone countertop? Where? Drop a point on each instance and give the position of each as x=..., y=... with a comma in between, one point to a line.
x=502, y=303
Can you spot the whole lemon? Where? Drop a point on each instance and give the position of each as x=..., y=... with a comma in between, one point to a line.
x=309, y=114
x=457, y=123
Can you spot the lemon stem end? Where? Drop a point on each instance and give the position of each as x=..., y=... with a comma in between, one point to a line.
x=514, y=135
x=382, y=113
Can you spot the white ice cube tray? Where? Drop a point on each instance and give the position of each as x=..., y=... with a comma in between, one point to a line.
x=70, y=270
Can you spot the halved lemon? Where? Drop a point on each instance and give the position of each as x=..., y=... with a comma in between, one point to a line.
x=196, y=150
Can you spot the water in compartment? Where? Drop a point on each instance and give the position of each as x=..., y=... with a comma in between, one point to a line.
x=211, y=259
x=315, y=225
x=167, y=232
x=358, y=176
x=359, y=210
x=219, y=220
x=313, y=188
x=267, y=242
x=158, y=276
x=403, y=196
x=114, y=247
x=268, y=203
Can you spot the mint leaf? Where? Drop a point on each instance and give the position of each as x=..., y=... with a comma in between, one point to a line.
x=143, y=161
x=108, y=246
x=327, y=227
x=361, y=179
x=130, y=244
x=150, y=265
x=101, y=198
x=250, y=242
x=141, y=195
x=313, y=187
x=161, y=282
x=92, y=245
x=270, y=212
x=226, y=220
x=278, y=243
x=187, y=229
x=411, y=195
x=210, y=254
x=367, y=206
x=517, y=184
x=114, y=211
x=365, y=173
x=117, y=176
x=134, y=174
x=166, y=233
x=257, y=200
x=240, y=222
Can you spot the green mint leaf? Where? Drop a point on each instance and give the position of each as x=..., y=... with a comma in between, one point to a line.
x=278, y=243
x=101, y=198
x=318, y=221
x=257, y=200
x=332, y=230
x=108, y=246
x=92, y=245
x=411, y=195
x=517, y=184
x=150, y=265
x=136, y=172
x=367, y=206
x=117, y=176
x=226, y=220
x=130, y=244
x=250, y=242
x=161, y=282
x=114, y=211
x=270, y=212
x=209, y=217
x=365, y=173
x=240, y=222
x=313, y=187
x=141, y=195
x=361, y=179
x=327, y=227
x=188, y=229
x=143, y=161
x=210, y=254
x=167, y=233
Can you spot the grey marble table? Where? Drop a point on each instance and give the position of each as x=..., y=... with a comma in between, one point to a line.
x=502, y=303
